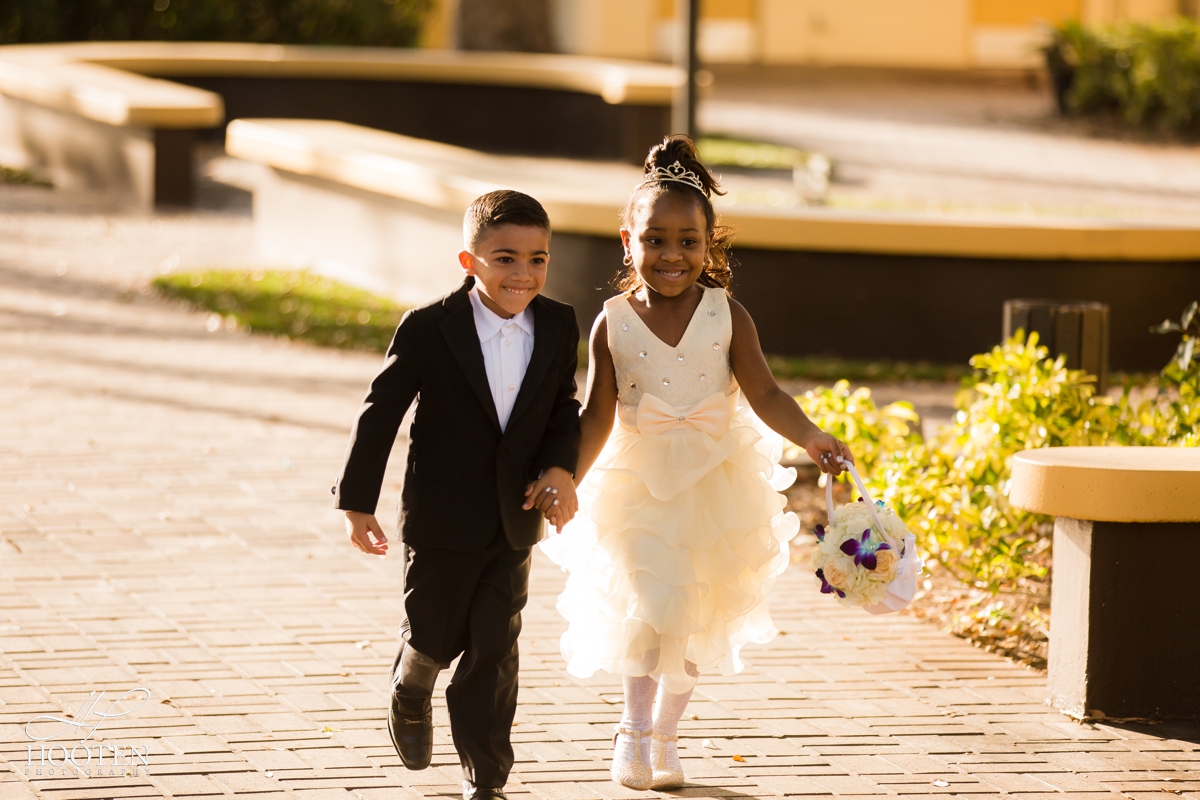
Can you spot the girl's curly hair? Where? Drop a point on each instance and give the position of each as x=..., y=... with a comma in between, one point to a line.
x=677, y=147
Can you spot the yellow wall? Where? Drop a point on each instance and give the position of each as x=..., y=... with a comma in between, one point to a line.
x=712, y=9
x=438, y=25
x=946, y=34
x=611, y=28
x=902, y=33
x=1022, y=12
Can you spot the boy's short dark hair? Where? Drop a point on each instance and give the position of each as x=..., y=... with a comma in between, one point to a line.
x=502, y=207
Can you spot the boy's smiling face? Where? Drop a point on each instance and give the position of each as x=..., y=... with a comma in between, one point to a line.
x=509, y=263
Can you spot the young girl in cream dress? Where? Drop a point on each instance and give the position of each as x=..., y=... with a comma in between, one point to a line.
x=681, y=529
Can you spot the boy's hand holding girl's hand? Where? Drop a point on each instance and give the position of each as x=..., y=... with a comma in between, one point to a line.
x=827, y=452
x=360, y=527
x=553, y=494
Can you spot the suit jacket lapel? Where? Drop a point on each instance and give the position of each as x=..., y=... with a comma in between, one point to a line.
x=546, y=331
x=458, y=329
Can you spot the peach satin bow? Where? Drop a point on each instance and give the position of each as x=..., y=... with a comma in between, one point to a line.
x=710, y=415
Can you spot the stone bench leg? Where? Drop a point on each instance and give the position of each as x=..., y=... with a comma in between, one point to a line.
x=173, y=167
x=1125, y=620
x=136, y=167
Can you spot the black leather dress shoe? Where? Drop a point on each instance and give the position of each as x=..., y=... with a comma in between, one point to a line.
x=412, y=736
x=473, y=792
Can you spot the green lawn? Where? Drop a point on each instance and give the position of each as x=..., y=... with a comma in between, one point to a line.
x=298, y=305
x=313, y=308
x=21, y=177
x=815, y=368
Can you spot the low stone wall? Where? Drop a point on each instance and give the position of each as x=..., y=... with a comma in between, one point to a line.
x=493, y=119
x=852, y=305
x=906, y=308
x=79, y=153
x=385, y=211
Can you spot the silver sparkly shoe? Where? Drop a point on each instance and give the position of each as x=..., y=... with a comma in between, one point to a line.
x=665, y=777
x=635, y=774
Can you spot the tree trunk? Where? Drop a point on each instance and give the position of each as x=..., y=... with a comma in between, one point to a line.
x=517, y=25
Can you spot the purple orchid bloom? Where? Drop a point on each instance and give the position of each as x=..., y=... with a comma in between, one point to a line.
x=826, y=587
x=819, y=530
x=864, y=550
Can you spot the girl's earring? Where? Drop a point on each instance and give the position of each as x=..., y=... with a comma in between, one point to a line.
x=627, y=260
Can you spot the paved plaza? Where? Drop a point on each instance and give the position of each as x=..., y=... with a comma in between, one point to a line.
x=165, y=523
x=956, y=143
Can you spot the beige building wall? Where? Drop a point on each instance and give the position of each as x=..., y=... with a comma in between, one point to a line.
x=893, y=33
x=1011, y=33
x=932, y=34
x=611, y=28
x=1100, y=12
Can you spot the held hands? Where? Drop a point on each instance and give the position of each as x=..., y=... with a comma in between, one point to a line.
x=553, y=494
x=360, y=527
x=827, y=452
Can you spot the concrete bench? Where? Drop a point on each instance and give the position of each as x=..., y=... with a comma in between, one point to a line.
x=121, y=117
x=385, y=210
x=1125, y=599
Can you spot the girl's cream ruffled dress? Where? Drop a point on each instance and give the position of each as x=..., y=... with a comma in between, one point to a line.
x=681, y=530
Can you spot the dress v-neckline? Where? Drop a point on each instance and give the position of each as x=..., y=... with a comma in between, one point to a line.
x=686, y=331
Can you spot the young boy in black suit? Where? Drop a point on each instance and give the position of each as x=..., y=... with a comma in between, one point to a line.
x=491, y=451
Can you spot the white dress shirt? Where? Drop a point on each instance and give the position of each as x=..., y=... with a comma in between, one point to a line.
x=507, y=346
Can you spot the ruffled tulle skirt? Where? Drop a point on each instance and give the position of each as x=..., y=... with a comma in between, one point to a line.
x=678, y=540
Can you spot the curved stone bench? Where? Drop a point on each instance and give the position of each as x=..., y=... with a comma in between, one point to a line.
x=121, y=116
x=1125, y=606
x=386, y=209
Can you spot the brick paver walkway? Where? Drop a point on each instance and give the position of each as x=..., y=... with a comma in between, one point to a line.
x=164, y=523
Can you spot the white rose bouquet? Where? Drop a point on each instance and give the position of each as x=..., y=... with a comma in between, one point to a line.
x=865, y=555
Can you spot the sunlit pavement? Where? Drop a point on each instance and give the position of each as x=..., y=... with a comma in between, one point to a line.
x=911, y=142
x=165, y=523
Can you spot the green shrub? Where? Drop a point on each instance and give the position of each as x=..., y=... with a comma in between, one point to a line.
x=1147, y=74
x=298, y=305
x=381, y=23
x=952, y=490
x=853, y=417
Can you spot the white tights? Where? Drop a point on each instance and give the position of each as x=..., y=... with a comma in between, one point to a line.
x=643, y=713
x=667, y=713
x=639, y=704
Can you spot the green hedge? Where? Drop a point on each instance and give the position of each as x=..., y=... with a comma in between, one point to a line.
x=380, y=23
x=1146, y=74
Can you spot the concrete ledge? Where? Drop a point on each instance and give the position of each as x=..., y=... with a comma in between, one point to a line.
x=1109, y=484
x=118, y=83
x=565, y=105
x=585, y=197
x=936, y=285
x=47, y=75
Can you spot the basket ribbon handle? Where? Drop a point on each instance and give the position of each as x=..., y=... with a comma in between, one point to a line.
x=866, y=496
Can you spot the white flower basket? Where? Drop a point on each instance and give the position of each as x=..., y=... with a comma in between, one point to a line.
x=859, y=584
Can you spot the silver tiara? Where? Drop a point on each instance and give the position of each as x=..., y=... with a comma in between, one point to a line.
x=675, y=173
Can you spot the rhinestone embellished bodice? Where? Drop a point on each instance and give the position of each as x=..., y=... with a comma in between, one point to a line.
x=682, y=375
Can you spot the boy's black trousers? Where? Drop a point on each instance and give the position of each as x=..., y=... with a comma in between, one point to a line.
x=470, y=603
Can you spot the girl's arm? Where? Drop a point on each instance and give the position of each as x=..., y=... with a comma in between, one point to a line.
x=600, y=403
x=773, y=405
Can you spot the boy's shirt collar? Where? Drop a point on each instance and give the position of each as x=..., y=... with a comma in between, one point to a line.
x=488, y=323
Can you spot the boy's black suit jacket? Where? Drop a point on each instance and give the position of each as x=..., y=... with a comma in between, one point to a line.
x=465, y=478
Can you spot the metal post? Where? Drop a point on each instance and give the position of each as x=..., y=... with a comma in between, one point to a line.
x=683, y=109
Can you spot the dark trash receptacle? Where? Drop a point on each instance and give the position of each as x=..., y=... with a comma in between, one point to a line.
x=1077, y=329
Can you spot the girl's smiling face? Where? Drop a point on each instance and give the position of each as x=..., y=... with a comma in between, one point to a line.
x=668, y=241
